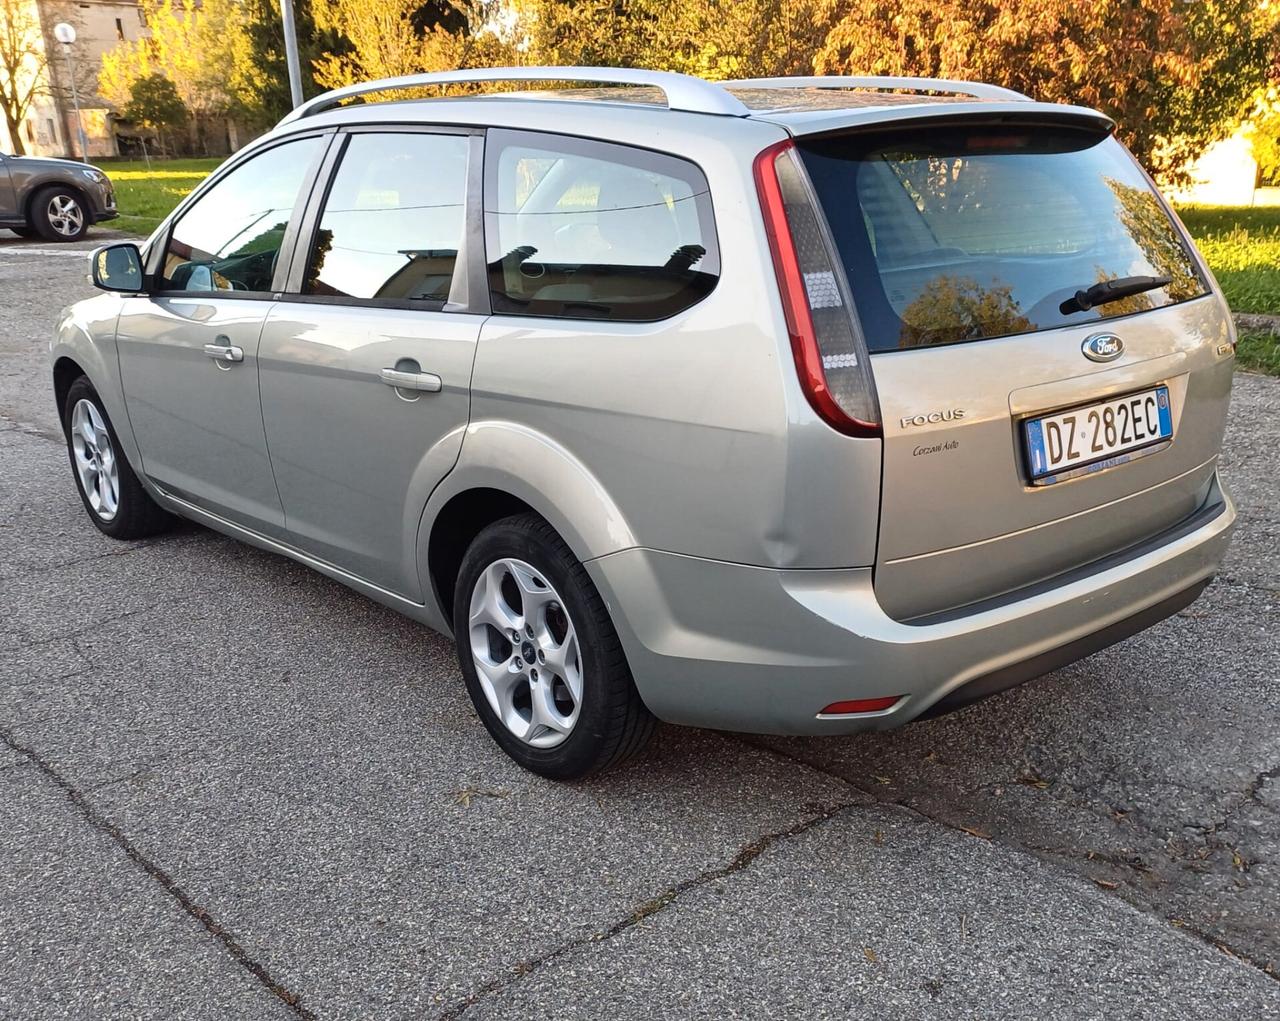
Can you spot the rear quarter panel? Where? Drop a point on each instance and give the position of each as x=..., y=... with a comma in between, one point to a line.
x=693, y=430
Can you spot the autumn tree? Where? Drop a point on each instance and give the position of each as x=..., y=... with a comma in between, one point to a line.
x=193, y=45
x=22, y=64
x=260, y=73
x=388, y=38
x=710, y=38
x=1174, y=75
x=154, y=103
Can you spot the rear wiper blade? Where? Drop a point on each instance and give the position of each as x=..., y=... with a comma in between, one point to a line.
x=1110, y=290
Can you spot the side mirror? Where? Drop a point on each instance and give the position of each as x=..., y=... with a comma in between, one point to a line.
x=117, y=268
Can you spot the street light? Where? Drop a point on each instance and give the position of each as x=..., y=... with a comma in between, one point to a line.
x=291, y=52
x=66, y=34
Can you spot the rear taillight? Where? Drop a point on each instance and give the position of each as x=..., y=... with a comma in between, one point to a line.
x=832, y=364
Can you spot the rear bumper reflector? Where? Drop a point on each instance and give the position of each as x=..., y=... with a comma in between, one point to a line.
x=860, y=705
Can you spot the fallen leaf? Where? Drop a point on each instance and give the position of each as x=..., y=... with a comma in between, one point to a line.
x=1107, y=884
x=973, y=832
x=464, y=796
x=870, y=955
x=878, y=838
x=882, y=779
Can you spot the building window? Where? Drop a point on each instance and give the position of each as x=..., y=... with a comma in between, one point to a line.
x=119, y=29
x=31, y=132
x=142, y=16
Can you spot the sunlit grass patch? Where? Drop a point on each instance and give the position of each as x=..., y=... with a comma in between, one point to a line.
x=1242, y=246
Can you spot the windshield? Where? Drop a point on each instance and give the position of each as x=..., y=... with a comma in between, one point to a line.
x=961, y=234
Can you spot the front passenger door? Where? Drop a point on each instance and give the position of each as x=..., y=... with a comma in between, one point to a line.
x=189, y=348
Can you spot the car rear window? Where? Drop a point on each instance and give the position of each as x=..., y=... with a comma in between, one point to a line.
x=960, y=234
x=593, y=230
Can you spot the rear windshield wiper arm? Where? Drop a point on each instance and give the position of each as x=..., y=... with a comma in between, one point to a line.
x=1110, y=290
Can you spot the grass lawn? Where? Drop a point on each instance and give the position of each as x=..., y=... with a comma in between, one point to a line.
x=1242, y=247
x=1241, y=243
x=144, y=196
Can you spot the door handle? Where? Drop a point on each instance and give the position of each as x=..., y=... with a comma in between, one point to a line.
x=224, y=351
x=428, y=382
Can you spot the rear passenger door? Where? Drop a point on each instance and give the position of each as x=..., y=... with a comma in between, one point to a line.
x=365, y=362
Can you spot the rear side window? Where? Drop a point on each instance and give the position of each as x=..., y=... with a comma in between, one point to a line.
x=393, y=220
x=962, y=234
x=592, y=230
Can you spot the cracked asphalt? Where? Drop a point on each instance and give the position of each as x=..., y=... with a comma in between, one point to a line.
x=230, y=788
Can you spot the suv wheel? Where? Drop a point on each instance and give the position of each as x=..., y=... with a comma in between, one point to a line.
x=111, y=492
x=25, y=232
x=59, y=214
x=540, y=656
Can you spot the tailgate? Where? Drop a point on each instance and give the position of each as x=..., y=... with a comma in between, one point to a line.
x=1004, y=275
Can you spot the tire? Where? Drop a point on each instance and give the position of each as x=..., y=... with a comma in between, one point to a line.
x=25, y=232
x=59, y=213
x=521, y=560
x=123, y=510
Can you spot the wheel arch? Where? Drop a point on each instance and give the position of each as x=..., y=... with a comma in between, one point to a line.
x=34, y=190
x=66, y=370
x=505, y=469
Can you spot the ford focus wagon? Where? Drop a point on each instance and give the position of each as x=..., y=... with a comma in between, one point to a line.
x=797, y=406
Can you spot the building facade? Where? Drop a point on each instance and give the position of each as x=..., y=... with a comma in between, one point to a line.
x=49, y=128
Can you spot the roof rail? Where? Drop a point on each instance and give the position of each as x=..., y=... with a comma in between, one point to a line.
x=977, y=90
x=683, y=91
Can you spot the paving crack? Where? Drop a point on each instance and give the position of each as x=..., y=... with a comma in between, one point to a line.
x=1133, y=863
x=649, y=908
x=211, y=925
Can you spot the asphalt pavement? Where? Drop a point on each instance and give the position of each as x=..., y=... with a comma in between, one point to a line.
x=231, y=788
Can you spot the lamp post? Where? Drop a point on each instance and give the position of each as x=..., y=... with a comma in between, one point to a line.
x=291, y=52
x=66, y=34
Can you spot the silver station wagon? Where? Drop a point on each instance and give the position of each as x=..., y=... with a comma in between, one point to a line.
x=794, y=406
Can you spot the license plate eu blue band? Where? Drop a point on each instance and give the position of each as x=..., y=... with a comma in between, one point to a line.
x=1096, y=436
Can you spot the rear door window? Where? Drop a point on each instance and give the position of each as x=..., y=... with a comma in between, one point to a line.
x=962, y=234
x=393, y=221
x=592, y=230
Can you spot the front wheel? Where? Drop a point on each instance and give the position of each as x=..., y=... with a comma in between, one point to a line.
x=540, y=656
x=115, y=499
x=59, y=214
x=24, y=232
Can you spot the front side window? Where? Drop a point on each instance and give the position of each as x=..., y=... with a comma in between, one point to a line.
x=230, y=238
x=592, y=230
x=393, y=220
x=959, y=234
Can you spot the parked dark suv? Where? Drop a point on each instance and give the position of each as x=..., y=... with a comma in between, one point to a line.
x=57, y=200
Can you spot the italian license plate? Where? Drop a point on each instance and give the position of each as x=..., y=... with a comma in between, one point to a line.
x=1096, y=436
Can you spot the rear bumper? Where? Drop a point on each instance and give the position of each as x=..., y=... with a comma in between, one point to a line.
x=758, y=650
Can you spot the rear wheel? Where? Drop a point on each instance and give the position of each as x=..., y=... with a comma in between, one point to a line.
x=111, y=492
x=540, y=656
x=59, y=214
x=24, y=232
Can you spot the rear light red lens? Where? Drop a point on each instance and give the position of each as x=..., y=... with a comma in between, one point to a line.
x=860, y=705
x=831, y=363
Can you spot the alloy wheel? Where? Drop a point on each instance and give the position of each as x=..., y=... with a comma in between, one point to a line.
x=526, y=654
x=65, y=215
x=95, y=459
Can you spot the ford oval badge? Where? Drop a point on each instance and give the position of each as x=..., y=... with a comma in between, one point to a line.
x=1103, y=347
